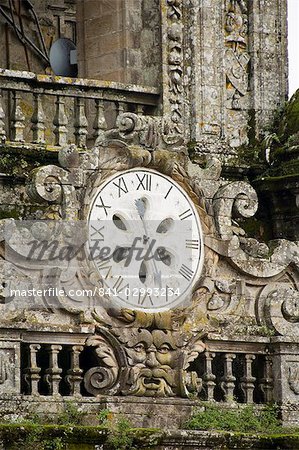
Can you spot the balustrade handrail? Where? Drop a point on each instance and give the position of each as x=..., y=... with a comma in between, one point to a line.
x=77, y=87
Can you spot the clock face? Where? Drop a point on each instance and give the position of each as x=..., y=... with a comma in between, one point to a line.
x=145, y=240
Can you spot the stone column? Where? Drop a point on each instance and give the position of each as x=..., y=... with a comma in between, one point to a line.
x=269, y=60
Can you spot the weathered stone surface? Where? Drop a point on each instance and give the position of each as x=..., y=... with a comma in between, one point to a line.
x=172, y=78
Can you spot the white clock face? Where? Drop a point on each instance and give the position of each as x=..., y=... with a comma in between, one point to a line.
x=145, y=240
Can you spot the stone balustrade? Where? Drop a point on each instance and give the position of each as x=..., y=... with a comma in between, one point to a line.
x=49, y=111
x=229, y=373
x=59, y=369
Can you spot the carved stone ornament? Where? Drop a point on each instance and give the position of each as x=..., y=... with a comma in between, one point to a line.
x=135, y=352
x=293, y=377
x=236, y=57
x=173, y=129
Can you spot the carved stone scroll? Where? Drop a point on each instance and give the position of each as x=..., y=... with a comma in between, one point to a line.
x=278, y=308
x=102, y=379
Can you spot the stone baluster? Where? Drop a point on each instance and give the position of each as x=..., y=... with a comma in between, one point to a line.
x=60, y=122
x=266, y=383
x=74, y=376
x=81, y=123
x=120, y=107
x=139, y=110
x=247, y=381
x=32, y=373
x=100, y=125
x=18, y=119
x=2, y=123
x=38, y=121
x=228, y=380
x=208, y=377
x=53, y=373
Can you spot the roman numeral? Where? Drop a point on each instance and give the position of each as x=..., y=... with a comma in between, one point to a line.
x=169, y=190
x=97, y=231
x=104, y=265
x=145, y=182
x=102, y=205
x=186, y=272
x=122, y=187
x=141, y=299
x=192, y=243
x=186, y=214
x=118, y=283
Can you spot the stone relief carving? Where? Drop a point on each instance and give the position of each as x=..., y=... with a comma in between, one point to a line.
x=102, y=379
x=153, y=362
x=278, y=308
x=293, y=377
x=137, y=129
x=236, y=57
x=7, y=370
x=152, y=358
x=4, y=368
x=173, y=132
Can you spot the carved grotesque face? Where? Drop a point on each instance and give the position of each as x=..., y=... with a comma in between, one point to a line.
x=153, y=357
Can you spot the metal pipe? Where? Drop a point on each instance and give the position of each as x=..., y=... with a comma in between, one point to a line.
x=40, y=32
x=24, y=38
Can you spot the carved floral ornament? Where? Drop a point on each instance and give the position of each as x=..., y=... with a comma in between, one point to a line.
x=236, y=57
x=150, y=354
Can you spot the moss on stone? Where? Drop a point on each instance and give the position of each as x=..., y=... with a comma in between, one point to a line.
x=290, y=122
x=56, y=437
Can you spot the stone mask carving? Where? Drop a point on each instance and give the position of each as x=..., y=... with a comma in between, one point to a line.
x=153, y=359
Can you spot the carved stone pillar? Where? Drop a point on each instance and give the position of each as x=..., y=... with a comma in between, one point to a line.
x=100, y=125
x=74, y=376
x=208, y=377
x=53, y=373
x=32, y=373
x=38, y=121
x=60, y=121
x=18, y=119
x=2, y=123
x=266, y=384
x=247, y=381
x=81, y=123
x=228, y=380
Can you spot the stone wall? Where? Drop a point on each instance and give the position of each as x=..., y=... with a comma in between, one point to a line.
x=238, y=74
x=119, y=40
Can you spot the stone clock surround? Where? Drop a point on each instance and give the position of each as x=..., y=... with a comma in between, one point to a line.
x=241, y=296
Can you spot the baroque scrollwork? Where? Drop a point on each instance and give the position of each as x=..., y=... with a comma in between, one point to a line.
x=138, y=129
x=237, y=200
x=278, y=308
x=103, y=378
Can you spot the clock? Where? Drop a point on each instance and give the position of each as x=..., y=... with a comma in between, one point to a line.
x=145, y=240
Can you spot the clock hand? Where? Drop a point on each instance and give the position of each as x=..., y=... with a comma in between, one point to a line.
x=141, y=208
